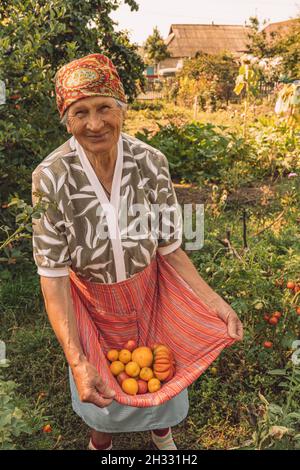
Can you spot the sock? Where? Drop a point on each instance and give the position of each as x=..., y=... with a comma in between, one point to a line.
x=106, y=446
x=163, y=439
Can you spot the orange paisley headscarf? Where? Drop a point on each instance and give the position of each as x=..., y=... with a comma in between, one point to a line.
x=92, y=75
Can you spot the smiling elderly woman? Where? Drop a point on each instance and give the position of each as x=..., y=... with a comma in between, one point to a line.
x=103, y=280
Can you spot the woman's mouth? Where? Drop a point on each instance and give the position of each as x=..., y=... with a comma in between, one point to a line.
x=97, y=137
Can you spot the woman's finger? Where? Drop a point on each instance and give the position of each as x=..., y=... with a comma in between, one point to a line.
x=104, y=389
x=232, y=327
x=240, y=329
x=95, y=398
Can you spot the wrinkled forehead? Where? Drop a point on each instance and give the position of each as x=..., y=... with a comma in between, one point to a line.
x=92, y=102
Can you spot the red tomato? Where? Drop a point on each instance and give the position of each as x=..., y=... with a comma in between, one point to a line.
x=290, y=285
x=47, y=428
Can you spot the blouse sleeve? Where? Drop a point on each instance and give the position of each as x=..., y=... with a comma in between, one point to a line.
x=170, y=217
x=50, y=247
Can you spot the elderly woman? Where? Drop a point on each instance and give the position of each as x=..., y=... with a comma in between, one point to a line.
x=100, y=277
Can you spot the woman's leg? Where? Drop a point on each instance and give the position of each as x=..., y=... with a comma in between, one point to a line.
x=163, y=439
x=101, y=440
x=161, y=432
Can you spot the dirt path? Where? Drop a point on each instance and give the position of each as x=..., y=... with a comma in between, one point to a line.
x=252, y=195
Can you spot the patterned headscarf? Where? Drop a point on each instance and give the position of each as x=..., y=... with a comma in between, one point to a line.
x=92, y=75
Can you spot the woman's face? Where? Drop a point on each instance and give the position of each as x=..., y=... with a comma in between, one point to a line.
x=96, y=123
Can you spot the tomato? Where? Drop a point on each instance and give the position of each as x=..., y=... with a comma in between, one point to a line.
x=290, y=285
x=47, y=428
x=268, y=344
x=276, y=315
x=273, y=321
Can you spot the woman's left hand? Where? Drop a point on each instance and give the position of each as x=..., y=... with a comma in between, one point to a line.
x=234, y=324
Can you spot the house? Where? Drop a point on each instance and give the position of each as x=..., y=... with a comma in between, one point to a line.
x=185, y=40
x=280, y=28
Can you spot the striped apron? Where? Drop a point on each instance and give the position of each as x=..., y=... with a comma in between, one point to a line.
x=154, y=306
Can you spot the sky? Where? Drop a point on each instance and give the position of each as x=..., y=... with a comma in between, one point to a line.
x=162, y=13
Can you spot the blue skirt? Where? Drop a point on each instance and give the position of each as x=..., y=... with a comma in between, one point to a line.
x=121, y=418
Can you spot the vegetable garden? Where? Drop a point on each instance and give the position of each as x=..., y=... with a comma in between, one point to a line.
x=242, y=162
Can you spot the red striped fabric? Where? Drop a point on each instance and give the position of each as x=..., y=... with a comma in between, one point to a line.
x=154, y=306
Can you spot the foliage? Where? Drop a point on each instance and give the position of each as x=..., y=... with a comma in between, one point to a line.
x=285, y=46
x=276, y=146
x=290, y=53
x=13, y=420
x=36, y=38
x=247, y=81
x=151, y=105
x=209, y=77
x=258, y=44
x=278, y=425
x=155, y=48
x=23, y=213
x=288, y=103
x=197, y=151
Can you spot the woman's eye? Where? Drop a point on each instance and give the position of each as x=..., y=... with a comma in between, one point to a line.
x=79, y=113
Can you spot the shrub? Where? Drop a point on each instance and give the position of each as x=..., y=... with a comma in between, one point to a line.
x=197, y=151
x=151, y=105
x=13, y=420
x=210, y=78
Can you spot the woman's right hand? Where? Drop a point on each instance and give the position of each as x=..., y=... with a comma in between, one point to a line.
x=91, y=388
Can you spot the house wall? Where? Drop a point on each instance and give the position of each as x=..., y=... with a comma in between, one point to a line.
x=169, y=63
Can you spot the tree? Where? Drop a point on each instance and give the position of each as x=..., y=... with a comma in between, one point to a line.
x=155, y=48
x=289, y=49
x=211, y=77
x=285, y=46
x=36, y=38
x=259, y=46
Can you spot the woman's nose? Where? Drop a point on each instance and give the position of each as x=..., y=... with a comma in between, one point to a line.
x=95, y=123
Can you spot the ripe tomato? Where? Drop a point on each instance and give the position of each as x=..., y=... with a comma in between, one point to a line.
x=15, y=97
x=268, y=344
x=273, y=321
x=276, y=315
x=290, y=285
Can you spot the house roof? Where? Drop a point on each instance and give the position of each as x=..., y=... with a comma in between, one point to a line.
x=185, y=40
x=281, y=28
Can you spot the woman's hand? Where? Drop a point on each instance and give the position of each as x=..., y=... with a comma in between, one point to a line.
x=91, y=388
x=234, y=324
